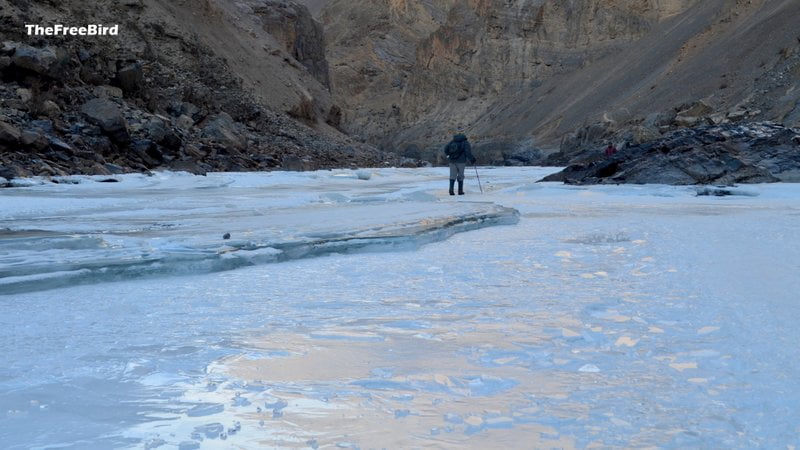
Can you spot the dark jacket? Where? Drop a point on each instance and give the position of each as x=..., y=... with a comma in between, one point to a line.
x=459, y=150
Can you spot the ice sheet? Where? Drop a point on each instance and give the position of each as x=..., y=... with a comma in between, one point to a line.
x=628, y=316
x=88, y=231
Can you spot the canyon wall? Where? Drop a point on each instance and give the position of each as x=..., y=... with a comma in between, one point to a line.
x=519, y=75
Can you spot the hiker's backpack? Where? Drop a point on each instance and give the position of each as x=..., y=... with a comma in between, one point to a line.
x=455, y=150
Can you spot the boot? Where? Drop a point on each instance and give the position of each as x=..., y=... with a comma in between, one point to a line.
x=460, y=187
x=452, y=183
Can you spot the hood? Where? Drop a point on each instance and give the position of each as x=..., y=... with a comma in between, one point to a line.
x=459, y=137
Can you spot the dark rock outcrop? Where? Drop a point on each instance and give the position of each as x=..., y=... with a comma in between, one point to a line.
x=173, y=93
x=130, y=77
x=47, y=61
x=108, y=116
x=9, y=134
x=302, y=36
x=714, y=154
x=222, y=129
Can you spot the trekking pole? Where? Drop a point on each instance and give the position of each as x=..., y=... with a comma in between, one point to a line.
x=479, y=178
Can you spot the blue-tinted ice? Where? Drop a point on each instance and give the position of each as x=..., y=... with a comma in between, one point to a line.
x=626, y=316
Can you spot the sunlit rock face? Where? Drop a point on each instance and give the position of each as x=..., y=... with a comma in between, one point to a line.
x=397, y=61
x=526, y=72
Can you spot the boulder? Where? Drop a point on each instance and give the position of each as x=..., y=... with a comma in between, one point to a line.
x=9, y=172
x=83, y=55
x=50, y=109
x=8, y=47
x=47, y=170
x=698, y=109
x=99, y=169
x=59, y=145
x=187, y=166
x=106, y=91
x=523, y=157
x=293, y=164
x=409, y=163
x=34, y=140
x=184, y=122
x=131, y=77
x=44, y=61
x=737, y=115
x=694, y=115
x=108, y=116
x=114, y=169
x=158, y=130
x=687, y=121
x=178, y=109
x=92, y=75
x=43, y=125
x=224, y=130
x=148, y=152
x=155, y=129
x=9, y=134
x=659, y=119
x=24, y=94
x=171, y=140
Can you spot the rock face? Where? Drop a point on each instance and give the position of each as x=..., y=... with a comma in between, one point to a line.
x=9, y=134
x=524, y=73
x=108, y=116
x=198, y=86
x=223, y=129
x=302, y=36
x=43, y=61
x=712, y=154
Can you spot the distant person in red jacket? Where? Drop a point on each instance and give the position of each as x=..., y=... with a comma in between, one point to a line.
x=611, y=150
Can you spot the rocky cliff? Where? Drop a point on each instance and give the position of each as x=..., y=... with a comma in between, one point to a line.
x=520, y=75
x=199, y=86
x=258, y=84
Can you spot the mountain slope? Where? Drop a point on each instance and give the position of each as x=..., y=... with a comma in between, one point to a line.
x=519, y=75
x=208, y=85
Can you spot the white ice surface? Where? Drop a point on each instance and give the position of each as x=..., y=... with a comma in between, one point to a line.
x=175, y=223
x=622, y=316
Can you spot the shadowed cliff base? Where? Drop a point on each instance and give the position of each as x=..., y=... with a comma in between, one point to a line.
x=714, y=154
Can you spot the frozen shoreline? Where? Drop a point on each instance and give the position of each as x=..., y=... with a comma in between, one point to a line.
x=162, y=226
x=617, y=316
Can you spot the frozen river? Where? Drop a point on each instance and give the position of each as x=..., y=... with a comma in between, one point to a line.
x=367, y=309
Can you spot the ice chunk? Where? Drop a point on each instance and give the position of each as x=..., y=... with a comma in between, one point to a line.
x=206, y=409
x=589, y=368
x=210, y=431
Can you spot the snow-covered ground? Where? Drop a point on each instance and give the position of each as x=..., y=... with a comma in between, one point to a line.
x=346, y=312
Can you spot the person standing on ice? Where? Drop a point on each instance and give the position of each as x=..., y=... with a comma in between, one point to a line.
x=458, y=152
